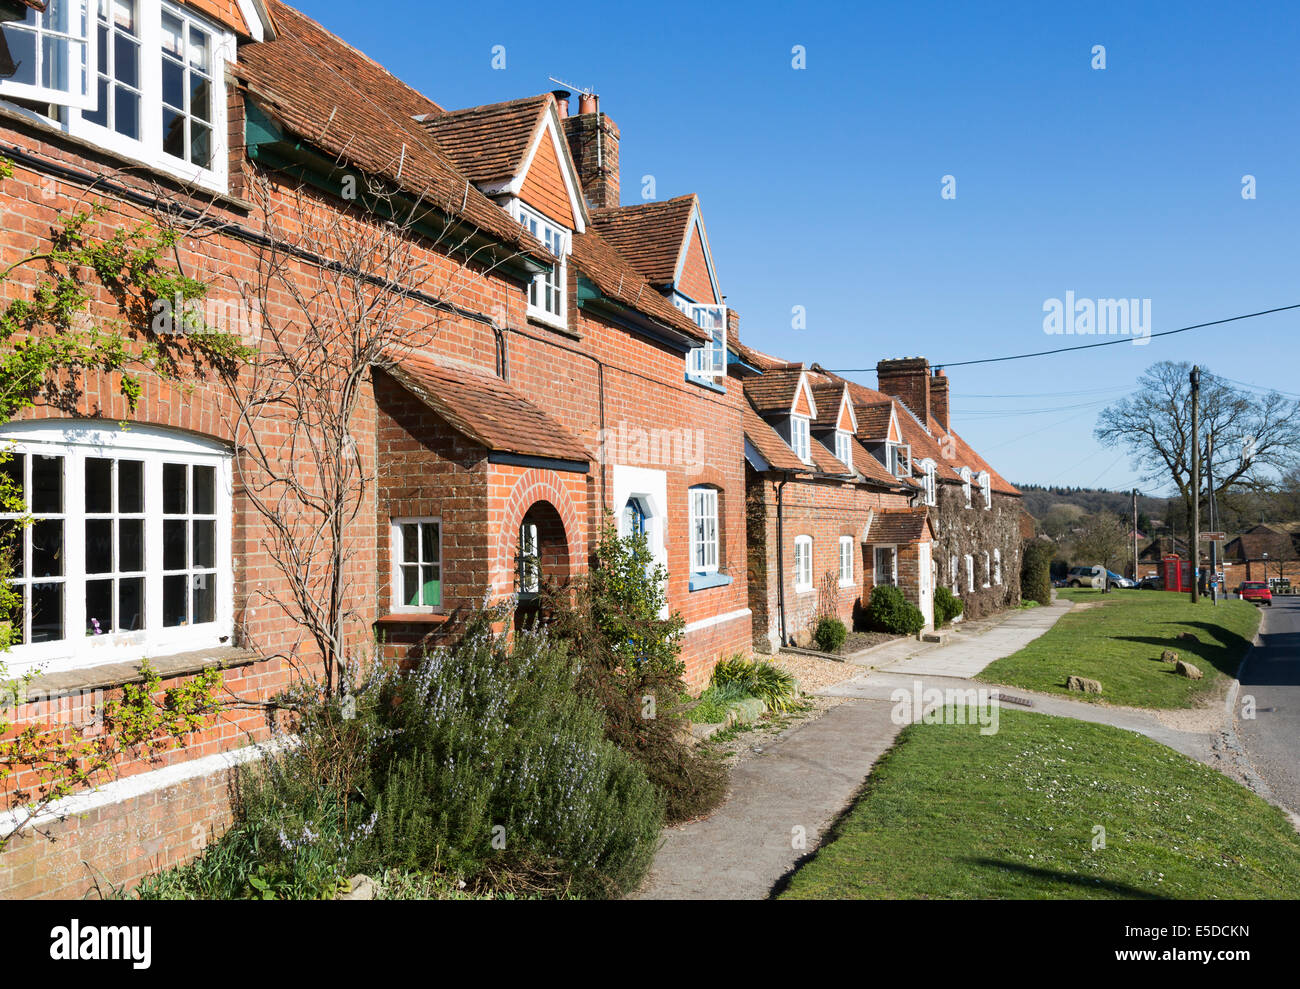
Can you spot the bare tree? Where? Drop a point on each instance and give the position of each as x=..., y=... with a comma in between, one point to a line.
x=1103, y=539
x=1254, y=438
x=336, y=294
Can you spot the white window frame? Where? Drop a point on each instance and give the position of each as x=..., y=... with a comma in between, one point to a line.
x=966, y=485
x=988, y=569
x=84, y=39
x=709, y=360
x=703, y=515
x=148, y=149
x=929, y=484
x=970, y=571
x=986, y=489
x=551, y=234
x=954, y=574
x=846, y=561
x=397, y=598
x=803, y=566
x=800, y=443
x=997, y=567
x=893, y=565
x=79, y=440
x=528, y=563
x=844, y=447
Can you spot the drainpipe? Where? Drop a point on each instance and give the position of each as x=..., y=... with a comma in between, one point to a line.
x=780, y=555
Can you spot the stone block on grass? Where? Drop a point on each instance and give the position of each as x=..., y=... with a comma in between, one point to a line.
x=1083, y=685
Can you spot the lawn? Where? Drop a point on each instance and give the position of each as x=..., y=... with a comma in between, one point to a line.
x=952, y=814
x=1117, y=638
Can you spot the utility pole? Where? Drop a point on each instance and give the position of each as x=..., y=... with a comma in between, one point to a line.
x=1210, y=507
x=1135, y=535
x=1195, y=549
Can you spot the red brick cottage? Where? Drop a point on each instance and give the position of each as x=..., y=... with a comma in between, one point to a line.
x=581, y=365
x=849, y=487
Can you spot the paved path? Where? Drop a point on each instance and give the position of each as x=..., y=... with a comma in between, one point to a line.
x=966, y=654
x=803, y=779
x=800, y=782
x=1271, y=675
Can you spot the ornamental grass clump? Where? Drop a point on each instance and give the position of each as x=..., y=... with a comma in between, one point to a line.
x=775, y=687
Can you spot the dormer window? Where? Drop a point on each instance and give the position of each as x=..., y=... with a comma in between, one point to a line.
x=799, y=438
x=986, y=489
x=142, y=78
x=548, y=291
x=844, y=448
x=929, y=489
x=965, y=485
x=710, y=360
x=898, y=458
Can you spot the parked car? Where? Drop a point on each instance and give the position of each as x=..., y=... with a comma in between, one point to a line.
x=1256, y=591
x=1088, y=577
x=1154, y=582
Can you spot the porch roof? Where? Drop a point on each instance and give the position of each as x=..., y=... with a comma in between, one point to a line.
x=486, y=409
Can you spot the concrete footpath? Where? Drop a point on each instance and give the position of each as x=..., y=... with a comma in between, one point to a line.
x=785, y=796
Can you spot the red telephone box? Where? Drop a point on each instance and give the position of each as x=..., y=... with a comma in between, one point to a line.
x=1177, y=573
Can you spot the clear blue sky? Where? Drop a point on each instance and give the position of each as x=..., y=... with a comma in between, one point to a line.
x=821, y=187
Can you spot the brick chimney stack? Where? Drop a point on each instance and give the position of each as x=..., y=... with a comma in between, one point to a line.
x=939, y=398
x=593, y=142
x=907, y=379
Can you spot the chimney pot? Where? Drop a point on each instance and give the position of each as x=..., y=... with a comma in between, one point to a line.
x=588, y=103
x=562, y=101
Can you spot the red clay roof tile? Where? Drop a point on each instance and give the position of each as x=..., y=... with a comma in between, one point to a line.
x=486, y=409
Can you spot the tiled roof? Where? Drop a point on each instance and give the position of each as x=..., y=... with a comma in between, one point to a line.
x=770, y=445
x=348, y=105
x=873, y=420
x=34, y=4
x=828, y=397
x=649, y=235
x=927, y=444
x=489, y=143
x=1252, y=545
x=615, y=278
x=899, y=525
x=774, y=390
x=871, y=468
x=327, y=92
x=486, y=409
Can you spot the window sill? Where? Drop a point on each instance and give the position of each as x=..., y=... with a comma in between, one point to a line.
x=413, y=618
x=214, y=183
x=703, y=581
x=803, y=590
x=848, y=583
x=708, y=383
x=111, y=675
x=554, y=325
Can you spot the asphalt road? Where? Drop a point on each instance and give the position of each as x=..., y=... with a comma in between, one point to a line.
x=1272, y=677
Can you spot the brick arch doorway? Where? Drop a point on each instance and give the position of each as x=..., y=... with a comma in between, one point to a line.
x=542, y=560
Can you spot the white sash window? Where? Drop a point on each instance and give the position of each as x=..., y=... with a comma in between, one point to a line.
x=128, y=551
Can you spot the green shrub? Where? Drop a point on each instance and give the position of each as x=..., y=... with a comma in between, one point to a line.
x=830, y=634
x=775, y=687
x=632, y=669
x=487, y=763
x=890, y=612
x=947, y=606
x=1036, y=571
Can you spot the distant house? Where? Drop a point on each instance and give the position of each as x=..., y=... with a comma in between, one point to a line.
x=1269, y=550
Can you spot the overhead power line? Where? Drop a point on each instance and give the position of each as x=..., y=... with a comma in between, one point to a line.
x=1084, y=346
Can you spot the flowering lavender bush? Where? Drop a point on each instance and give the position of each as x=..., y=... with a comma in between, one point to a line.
x=486, y=765
x=496, y=761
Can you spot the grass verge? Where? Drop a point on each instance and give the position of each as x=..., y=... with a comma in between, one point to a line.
x=1022, y=822
x=1118, y=638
